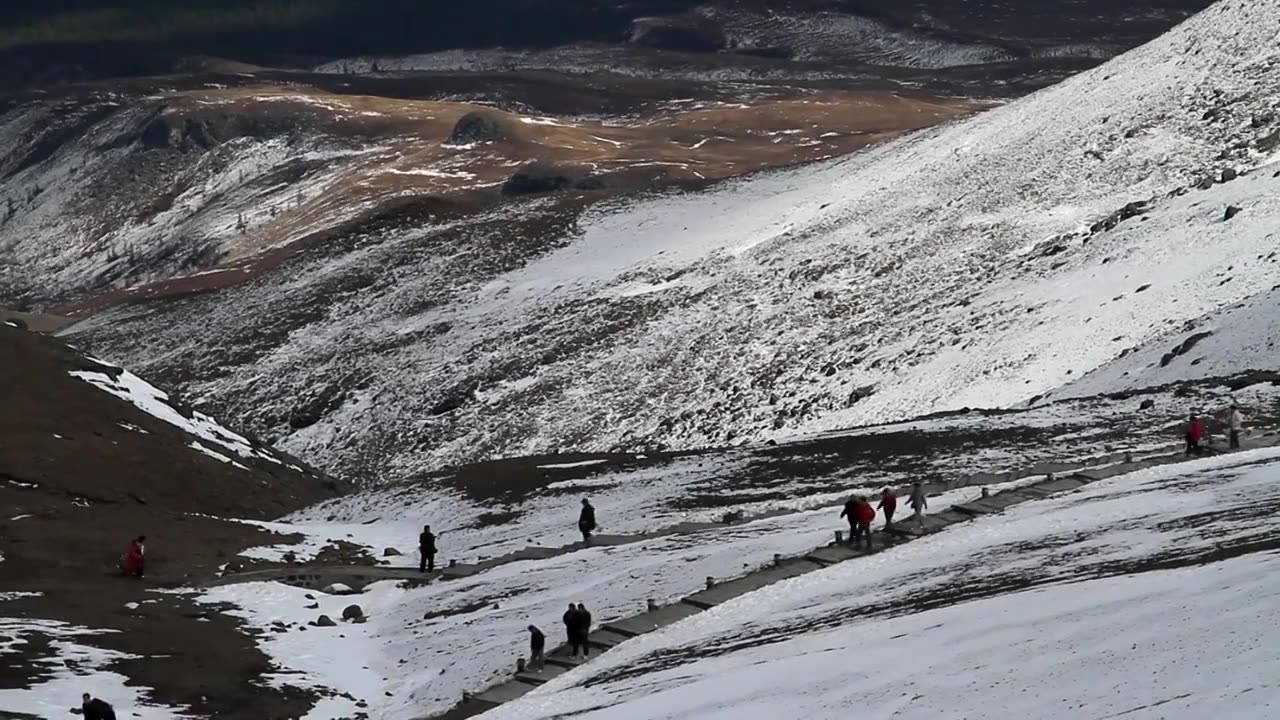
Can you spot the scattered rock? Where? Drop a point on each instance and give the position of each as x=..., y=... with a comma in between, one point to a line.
x=359, y=620
x=351, y=612
x=1183, y=348
x=325, y=621
x=338, y=589
x=391, y=552
x=1147, y=404
x=1229, y=174
x=314, y=606
x=1144, y=288
x=1231, y=212
x=309, y=596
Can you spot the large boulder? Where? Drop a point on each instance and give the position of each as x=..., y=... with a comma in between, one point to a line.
x=480, y=127
x=352, y=612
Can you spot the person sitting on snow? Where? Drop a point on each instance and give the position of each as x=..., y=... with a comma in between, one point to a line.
x=95, y=709
x=131, y=563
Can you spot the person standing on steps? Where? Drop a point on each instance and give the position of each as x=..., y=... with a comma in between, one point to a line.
x=889, y=504
x=427, y=549
x=1194, y=434
x=918, y=504
x=851, y=513
x=587, y=520
x=865, y=515
x=584, y=628
x=95, y=709
x=537, y=648
x=572, y=622
x=1235, y=426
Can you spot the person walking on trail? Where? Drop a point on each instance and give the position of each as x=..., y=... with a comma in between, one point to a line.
x=131, y=563
x=537, y=648
x=587, y=520
x=1194, y=434
x=851, y=513
x=584, y=628
x=865, y=515
x=1235, y=426
x=95, y=709
x=889, y=504
x=918, y=504
x=572, y=621
x=427, y=549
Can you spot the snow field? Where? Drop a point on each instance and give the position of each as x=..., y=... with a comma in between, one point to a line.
x=1098, y=631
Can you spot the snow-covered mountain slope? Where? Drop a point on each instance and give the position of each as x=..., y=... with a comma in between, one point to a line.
x=1142, y=596
x=980, y=264
x=1239, y=338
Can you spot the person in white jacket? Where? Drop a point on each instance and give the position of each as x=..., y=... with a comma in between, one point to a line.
x=1235, y=426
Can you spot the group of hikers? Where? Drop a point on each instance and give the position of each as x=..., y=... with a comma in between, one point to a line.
x=577, y=626
x=860, y=514
x=1195, y=431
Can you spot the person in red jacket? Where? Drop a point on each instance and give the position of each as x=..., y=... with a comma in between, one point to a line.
x=864, y=514
x=889, y=504
x=1195, y=433
x=132, y=562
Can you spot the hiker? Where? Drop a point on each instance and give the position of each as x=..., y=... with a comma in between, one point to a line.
x=537, y=648
x=584, y=628
x=572, y=622
x=889, y=504
x=851, y=512
x=95, y=709
x=1195, y=432
x=427, y=547
x=131, y=562
x=1235, y=426
x=918, y=504
x=865, y=516
x=587, y=520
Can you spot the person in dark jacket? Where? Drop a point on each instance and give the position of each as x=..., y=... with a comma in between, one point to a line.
x=865, y=515
x=1195, y=433
x=587, y=520
x=537, y=648
x=889, y=504
x=572, y=622
x=95, y=709
x=851, y=513
x=584, y=628
x=427, y=548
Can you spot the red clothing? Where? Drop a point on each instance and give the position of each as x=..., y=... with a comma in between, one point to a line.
x=1195, y=430
x=889, y=502
x=131, y=563
x=864, y=513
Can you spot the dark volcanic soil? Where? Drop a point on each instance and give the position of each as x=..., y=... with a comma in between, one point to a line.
x=76, y=485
